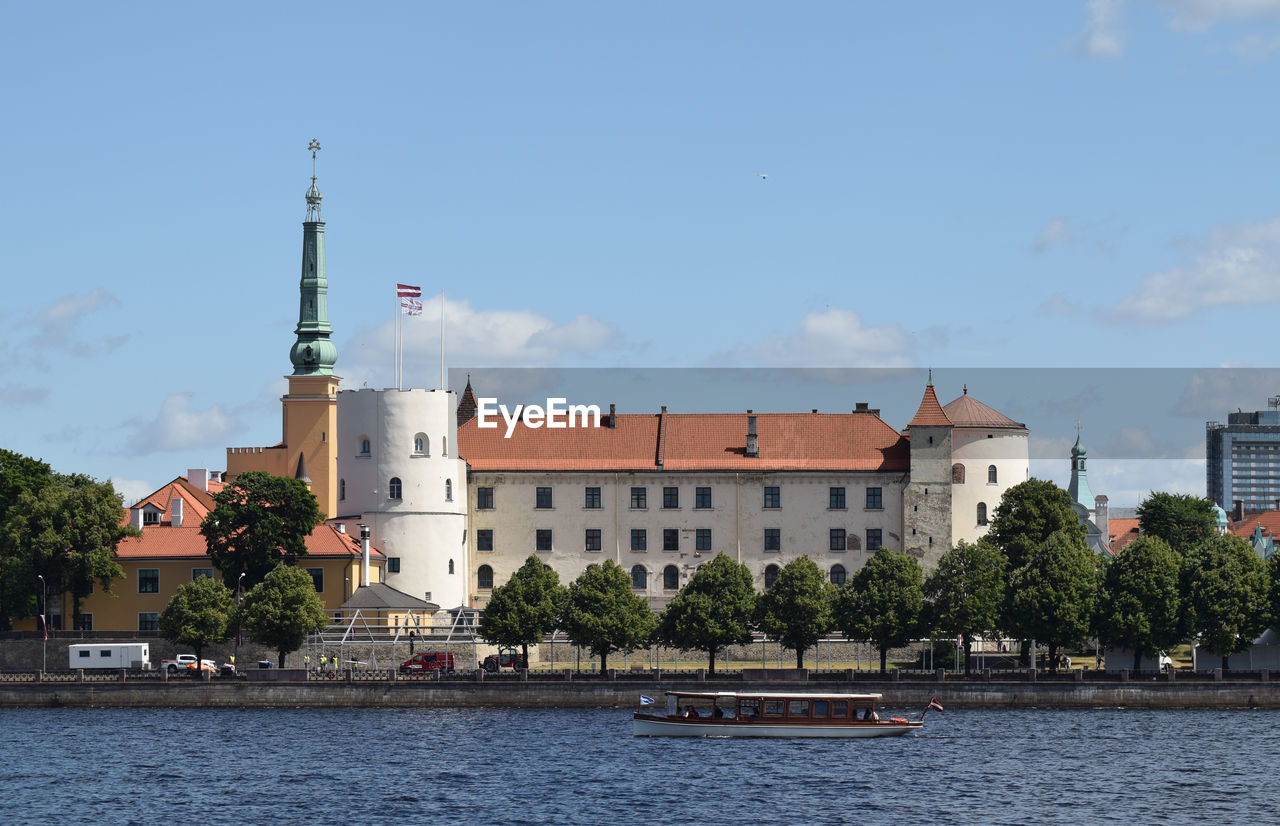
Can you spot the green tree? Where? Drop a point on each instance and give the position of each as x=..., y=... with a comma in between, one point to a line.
x=1180, y=519
x=524, y=609
x=1028, y=514
x=603, y=615
x=712, y=610
x=282, y=609
x=966, y=592
x=259, y=521
x=1054, y=594
x=882, y=602
x=1227, y=592
x=1141, y=604
x=18, y=474
x=798, y=608
x=199, y=614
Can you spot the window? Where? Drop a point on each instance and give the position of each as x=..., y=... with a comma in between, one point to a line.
x=148, y=580
x=639, y=577
x=875, y=499
x=639, y=498
x=671, y=497
x=86, y=622
x=835, y=499
x=450, y=567
x=957, y=474
x=773, y=539
x=342, y=489
x=702, y=539
x=991, y=474
x=484, y=539
x=837, y=575
x=484, y=499
x=838, y=539
x=639, y=539
x=542, y=498
x=196, y=573
x=593, y=499
x=982, y=513
x=448, y=490
x=393, y=564
x=702, y=498
x=421, y=445
x=148, y=621
x=150, y=517
x=671, y=578
x=770, y=576
x=593, y=539
x=542, y=539
x=444, y=445
x=393, y=488
x=773, y=497
x=364, y=446
x=873, y=539
x=484, y=577
x=317, y=579
x=670, y=539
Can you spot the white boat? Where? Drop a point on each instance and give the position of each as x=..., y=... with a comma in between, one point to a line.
x=768, y=714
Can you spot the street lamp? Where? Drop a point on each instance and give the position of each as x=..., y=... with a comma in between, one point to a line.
x=44, y=625
x=235, y=664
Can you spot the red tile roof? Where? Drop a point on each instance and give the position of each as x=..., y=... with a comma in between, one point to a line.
x=1269, y=520
x=930, y=413
x=692, y=442
x=1123, y=531
x=164, y=541
x=967, y=411
x=196, y=503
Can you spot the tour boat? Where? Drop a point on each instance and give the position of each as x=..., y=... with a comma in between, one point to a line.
x=768, y=714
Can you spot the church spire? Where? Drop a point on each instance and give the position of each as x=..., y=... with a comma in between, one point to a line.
x=1078, y=489
x=313, y=354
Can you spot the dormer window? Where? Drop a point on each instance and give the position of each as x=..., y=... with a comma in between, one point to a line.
x=150, y=517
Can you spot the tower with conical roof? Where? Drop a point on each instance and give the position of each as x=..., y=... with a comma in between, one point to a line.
x=926, y=501
x=310, y=408
x=1079, y=487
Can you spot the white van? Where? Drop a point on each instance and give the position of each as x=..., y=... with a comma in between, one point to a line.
x=110, y=655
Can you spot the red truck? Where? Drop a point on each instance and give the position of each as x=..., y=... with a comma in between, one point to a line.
x=428, y=661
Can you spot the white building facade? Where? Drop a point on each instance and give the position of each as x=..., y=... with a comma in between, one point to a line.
x=990, y=454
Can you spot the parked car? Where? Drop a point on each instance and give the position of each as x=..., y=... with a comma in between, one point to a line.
x=429, y=661
x=505, y=658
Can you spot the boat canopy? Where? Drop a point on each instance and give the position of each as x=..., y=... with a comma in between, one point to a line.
x=774, y=695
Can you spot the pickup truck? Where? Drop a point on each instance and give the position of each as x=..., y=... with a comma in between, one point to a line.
x=186, y=662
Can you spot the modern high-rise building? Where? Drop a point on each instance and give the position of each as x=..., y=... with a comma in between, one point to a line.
x=1243, y=459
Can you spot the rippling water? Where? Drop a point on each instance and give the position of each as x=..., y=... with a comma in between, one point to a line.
x=583, y=766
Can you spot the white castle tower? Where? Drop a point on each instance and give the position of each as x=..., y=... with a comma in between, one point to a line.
x=399, y=471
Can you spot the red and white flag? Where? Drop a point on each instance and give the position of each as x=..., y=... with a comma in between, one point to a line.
x=408, y=291
x=411, y=306
x=934, y=704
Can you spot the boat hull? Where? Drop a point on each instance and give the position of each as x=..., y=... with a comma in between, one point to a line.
x=656, y=726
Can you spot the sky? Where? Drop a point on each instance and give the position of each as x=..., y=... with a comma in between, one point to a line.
x=990, y=190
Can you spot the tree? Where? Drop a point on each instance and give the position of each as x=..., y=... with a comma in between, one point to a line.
x=199, y=614
x=712, y=610
x=967, y=592
x=282, y=609
x=259, y=521
x=1054, y=594
x=797, y=609
x=603, y=615
x=1226, y=589
x=882, y=602
x=1141, y=605
x=1028, y=514
x=18, y=475
x=524, y=609
x=1180, y=519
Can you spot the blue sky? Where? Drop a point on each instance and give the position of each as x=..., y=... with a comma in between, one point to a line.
x=963, y=186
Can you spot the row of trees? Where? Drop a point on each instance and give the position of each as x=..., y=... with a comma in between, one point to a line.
x=1031, y=578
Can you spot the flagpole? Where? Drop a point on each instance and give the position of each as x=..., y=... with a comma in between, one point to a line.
x=442, y=387
x=395, y=344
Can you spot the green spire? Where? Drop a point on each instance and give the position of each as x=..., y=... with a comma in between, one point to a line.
x=313, y=354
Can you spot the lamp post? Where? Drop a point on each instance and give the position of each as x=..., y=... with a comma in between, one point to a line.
x=44, y=626
x=235, y=658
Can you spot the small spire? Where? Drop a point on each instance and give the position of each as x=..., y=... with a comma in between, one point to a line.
x=930, y=384
x=313, y=193
x=966, y=389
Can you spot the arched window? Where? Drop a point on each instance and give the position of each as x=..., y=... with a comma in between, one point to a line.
x=364, y=446
x=484, y=577
x=393, y=488
x=770, y=576
x=448, y=490
x=421, y=445
x=342, y=489
x=837, y=575
x=991, y=474
x=957, y=474
x=451, y=567
x=639, y=577
x=982, y=513
x=671, y=578
x=444, y=445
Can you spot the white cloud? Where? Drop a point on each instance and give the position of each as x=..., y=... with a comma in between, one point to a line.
x=177, y=427
x=69, y=309
x=1255, y=46
x=1210, y=394
x=1237, y=266
x=1103, y=34
x=1197, y=15
x=831, y=338
x=132, y=490
x=1058, y=305
x=1052, y=234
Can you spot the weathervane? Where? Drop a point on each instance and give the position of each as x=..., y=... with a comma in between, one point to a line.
x=313, y=194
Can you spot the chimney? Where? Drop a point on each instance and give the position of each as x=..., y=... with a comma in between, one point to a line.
x=860, y=407
x=135, y=517
x=753, y=441
x=815, y=410
x=1237, y=510
x=199, y=478
x=364, y=555
x=1101, y=516
x=175, y=512
x=613, y=416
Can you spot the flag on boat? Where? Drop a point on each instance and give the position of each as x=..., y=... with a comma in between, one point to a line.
x=646, y=700
x=934, y=704
x=408, y=291
x=411, y=306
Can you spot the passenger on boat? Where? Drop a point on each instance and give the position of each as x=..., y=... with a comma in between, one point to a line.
x=717, y=712
x=690, y=711
x=871, y=716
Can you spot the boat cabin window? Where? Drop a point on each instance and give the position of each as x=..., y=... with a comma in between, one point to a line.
x=798, y=708
x=773, y=708
x=821, y=708
x=840, y=708
x=748, y=708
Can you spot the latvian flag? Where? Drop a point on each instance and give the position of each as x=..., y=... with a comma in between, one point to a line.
x=407, y=291
x=934, y=704
x=411, y=306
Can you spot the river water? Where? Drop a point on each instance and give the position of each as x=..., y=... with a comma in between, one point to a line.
x=583, y=766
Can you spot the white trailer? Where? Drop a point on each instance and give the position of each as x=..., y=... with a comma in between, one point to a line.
x=110, y=655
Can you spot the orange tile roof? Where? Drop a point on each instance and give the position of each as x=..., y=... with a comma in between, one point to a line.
x=167, y=542
x=967, y=411
x=930, y=413
x=1269, y=520
x=1123, y=531
x=692, y=442
x=196, y=503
